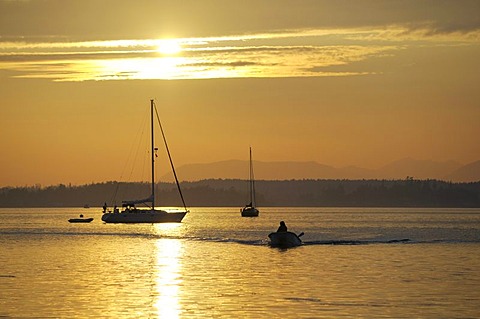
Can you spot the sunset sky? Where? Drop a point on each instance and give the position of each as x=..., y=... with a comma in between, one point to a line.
x=339, y=82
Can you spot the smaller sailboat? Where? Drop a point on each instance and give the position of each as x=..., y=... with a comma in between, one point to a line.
x=250, y=210
x=132, y=214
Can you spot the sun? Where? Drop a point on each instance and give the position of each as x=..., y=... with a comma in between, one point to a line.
x=169, y=47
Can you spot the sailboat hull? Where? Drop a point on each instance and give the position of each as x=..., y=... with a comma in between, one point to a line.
x=143, y=216
x=249, y=212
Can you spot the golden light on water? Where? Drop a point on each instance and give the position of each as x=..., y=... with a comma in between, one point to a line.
x=168, y=270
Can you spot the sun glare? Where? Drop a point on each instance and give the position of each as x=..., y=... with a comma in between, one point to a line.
x=169, y=47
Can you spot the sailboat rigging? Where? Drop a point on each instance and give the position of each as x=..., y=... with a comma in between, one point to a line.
x=132, y=214
x=249, y=210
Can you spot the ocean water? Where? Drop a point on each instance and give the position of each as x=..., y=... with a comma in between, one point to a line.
x=355, y=263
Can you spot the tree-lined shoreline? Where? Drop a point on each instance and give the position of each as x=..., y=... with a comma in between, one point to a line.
x=233, y=192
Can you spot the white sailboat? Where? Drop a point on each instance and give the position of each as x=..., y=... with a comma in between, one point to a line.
x=132, y=214
x=250, y=210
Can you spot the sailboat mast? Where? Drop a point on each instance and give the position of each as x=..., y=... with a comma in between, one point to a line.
x=152, y=154
x=251, y=178
x=254, y=201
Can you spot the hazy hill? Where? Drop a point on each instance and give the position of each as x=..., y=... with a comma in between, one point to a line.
x=466, y=173
x=418, y=169
x=237, y=169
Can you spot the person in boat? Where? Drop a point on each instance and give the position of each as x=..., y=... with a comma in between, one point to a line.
x=282, y=227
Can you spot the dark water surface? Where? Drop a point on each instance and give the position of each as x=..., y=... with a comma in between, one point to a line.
x=355, y=263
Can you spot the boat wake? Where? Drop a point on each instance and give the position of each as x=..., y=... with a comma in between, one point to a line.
x=259, y=241
x=265, y=242
x=357, y=242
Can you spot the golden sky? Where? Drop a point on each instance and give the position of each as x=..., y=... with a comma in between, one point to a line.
x=358, y=82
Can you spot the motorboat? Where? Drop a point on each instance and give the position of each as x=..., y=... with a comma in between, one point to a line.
x=80, y=220
x=285, y=239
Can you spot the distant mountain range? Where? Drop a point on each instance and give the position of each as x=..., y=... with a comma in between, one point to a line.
x=401, y=169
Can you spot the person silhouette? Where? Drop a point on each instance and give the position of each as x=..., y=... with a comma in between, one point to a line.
x=282, y=227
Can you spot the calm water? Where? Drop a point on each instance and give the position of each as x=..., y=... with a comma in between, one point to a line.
x=356, y=263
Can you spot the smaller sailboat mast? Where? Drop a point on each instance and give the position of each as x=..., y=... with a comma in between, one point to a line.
x=252, y=182
x=153, y=153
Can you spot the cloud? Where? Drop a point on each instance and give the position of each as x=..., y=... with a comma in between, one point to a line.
x=120, y=19
x=287, y=53
x=300, y=53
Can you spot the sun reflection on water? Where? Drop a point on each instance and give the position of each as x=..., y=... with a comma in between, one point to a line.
x=168, y=271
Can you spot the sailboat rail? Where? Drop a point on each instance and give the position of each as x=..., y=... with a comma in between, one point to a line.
x=138, y=201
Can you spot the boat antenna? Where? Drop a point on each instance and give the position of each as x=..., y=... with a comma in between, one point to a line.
x=169, y=156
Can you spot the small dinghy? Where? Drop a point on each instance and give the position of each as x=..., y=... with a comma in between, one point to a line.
x=285, y=239
x=80, y=220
